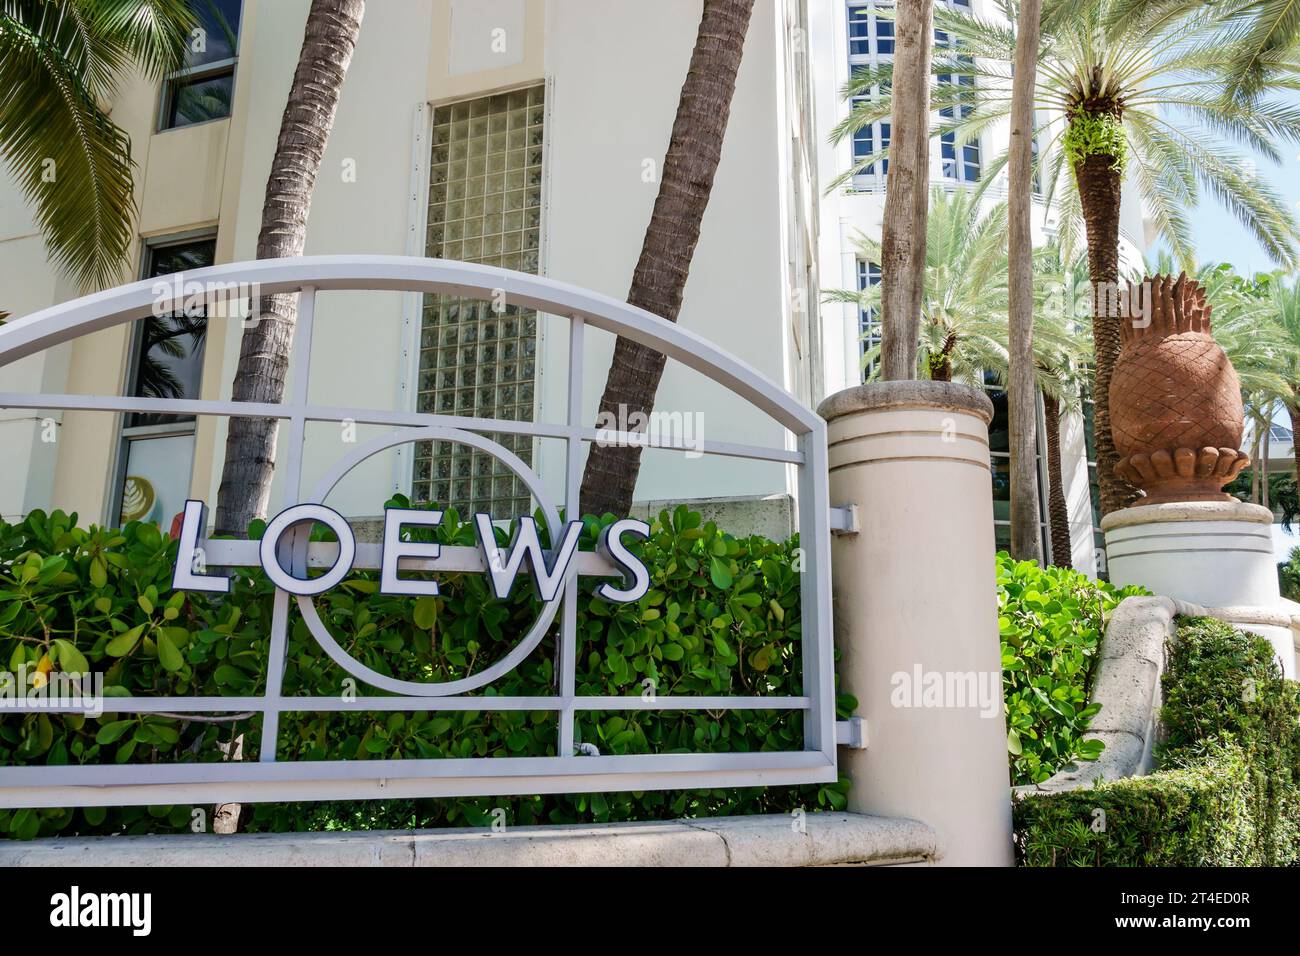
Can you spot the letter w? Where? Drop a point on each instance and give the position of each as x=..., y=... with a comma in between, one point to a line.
x=504, y=568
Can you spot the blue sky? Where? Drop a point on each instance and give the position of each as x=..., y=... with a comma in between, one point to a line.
x=1220, y=237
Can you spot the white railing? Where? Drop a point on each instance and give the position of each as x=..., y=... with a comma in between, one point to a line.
x=271, y=779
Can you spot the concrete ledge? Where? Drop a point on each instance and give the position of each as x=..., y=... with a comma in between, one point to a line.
x=1133, y=657
x=823, y=839
x=1132, y=663
x=893, y=395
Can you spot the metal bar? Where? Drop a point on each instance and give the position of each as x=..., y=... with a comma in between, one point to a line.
x=296, y=546
x=30, y=334
x=300, y=373
x=274, y=675
x=373, y=416
x=844, y=520
x=815, y=594
x=851, y=733
x=572, y=487
x=235, y=705
x=105, y=775
x=416, y=779
x=230, y=553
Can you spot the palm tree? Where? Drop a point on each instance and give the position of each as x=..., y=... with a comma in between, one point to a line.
x=1144, y=93
x=61, y=63
x=1061, y=366
x=962, y=329
x=1285, y=311
x=964, y=332
x=903, y=232
x=694, y=150
x=1263, y=39
x=329, y=38
x=1026, y=542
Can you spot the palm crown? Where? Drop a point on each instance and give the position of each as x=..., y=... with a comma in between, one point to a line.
x=60, y=62
x=1151, y=84
x=963, y=332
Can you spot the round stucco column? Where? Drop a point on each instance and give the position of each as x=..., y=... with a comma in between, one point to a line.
x=916, y=611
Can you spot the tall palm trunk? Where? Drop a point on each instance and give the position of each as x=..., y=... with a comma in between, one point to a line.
x=1294, y=411
x=1099, y=195
x=907, y=194
x=609, y=479
x=1022, y=394
x=1058, y=510
x=328, y=41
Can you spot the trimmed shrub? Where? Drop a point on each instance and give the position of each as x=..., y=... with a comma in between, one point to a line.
x=1228, y=791
x=1052, y=621
x=722, y=618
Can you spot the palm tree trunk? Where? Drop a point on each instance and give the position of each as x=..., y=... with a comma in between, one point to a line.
x=1099, y=195
x=1294, y=411
x=1058, y=510
x=609, y=479
x=907, y=196
x=329, y=38
x=1022, y=394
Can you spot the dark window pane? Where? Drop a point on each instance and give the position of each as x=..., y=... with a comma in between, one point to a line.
x=198, y=100
x=219, y=36
x=999, y=429
x=1002, y=537
x=169, y=351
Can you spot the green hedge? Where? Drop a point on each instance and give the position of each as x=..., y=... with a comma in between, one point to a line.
x=1228, y=791
x=1052, y=621
x=721, y=618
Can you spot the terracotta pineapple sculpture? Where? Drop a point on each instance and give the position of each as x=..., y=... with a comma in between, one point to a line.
x=1175, y=402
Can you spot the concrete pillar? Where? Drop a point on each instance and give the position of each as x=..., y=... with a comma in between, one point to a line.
x=1218, y=554
x=916, y=611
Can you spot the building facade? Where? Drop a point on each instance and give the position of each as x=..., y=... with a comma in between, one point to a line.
x=524, y=134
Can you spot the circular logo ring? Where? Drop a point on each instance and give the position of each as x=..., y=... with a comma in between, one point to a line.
x=419, y=688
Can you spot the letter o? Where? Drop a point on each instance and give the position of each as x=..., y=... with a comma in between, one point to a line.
x=301, y=514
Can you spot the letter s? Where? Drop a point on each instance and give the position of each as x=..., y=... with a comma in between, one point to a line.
x=611, y=547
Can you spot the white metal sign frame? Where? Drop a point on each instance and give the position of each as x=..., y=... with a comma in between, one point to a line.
x=270, y=779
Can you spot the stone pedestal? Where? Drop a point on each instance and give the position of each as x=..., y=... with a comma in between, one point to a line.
x=916, y=611
x=1215, y=554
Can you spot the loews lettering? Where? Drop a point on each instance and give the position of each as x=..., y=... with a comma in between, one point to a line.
x=547, y=570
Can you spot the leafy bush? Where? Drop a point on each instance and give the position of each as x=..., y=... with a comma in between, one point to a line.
x=1052, y=621
x=1228, y=791
x=721, y=618
x=1288, y=576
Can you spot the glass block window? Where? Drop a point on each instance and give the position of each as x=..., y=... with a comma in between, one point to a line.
x=485, y=206
x=868, y=319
